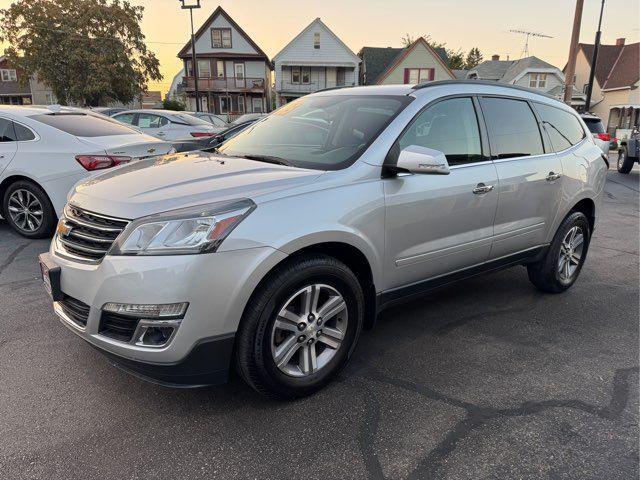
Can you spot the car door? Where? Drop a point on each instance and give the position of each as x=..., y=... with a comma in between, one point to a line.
x=8, y=143
x=437, y=224
x=529, y=175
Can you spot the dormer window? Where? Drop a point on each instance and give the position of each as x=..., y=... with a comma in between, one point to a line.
x=316, y=40
x=537, y=80
x=9, y=75
x=221, y=38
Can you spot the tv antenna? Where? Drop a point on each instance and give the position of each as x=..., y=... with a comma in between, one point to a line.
x=525, y=50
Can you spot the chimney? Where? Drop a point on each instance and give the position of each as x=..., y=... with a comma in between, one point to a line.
x=495, y=58
x=619, y=42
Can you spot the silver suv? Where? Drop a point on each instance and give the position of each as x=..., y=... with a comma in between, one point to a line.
x=274, y=252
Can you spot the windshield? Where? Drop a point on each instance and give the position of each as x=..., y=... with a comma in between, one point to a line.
x=321, y=132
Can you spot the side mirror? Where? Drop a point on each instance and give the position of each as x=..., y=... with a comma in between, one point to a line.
x=417, y=159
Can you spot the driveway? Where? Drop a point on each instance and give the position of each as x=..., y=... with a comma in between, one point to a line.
x=484, y=379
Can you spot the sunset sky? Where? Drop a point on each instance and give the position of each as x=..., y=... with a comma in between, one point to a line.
x=459, y=23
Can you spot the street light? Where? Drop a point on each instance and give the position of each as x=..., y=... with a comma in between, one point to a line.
x=190, y=5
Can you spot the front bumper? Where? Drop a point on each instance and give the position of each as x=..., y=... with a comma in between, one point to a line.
x=217, y=286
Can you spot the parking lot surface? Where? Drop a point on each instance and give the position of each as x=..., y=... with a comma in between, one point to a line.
x=487, y=378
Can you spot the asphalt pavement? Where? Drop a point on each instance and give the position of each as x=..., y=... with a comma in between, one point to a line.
x=487, y=378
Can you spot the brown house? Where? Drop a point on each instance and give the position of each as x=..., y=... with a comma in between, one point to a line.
x=232, y=71
x=12, y=90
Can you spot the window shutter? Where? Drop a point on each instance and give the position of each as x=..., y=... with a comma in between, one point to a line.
x=406, y=75
x=432, y=73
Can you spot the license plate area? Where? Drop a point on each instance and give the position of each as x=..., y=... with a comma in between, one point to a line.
x=50, y=277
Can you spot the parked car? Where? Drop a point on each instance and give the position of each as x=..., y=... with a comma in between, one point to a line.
x=109, y=111
x=275, y=252
x=44, y=151
x=248, y=116
x=167, y=124
x=213, y=119
x=629, y=152
x=600, y=135
x=211, y=142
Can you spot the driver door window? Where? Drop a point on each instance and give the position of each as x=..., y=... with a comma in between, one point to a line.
x=450, y=126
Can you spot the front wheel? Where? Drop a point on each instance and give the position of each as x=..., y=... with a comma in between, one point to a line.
x=625, y=164
x=300, y=327
x=560, y=267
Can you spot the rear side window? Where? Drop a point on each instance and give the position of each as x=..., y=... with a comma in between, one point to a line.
x=7, y=134
x=594, y=125
x=563, y=128
x=513, y=128
x=23, y=133
x=82, y=125
x=146, y=120
x=125, y=118
x=450, y=126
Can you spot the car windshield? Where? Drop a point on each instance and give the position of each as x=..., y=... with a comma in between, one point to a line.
x=320, y=132
x=188, y=119
x=594, y=125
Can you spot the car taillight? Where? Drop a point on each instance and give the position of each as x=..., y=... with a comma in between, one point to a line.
x=605, y=137
x=202, y=134
x=100, y=162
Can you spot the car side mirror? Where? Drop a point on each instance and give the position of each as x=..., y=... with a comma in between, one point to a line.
x=417, y=159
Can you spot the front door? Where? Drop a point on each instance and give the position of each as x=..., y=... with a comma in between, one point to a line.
x=238, y=70
x=332, y=77
x=437, y=224
x=530, y=178
x=257, y=104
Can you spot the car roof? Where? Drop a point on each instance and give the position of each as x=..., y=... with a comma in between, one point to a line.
x=590, y=116
x=153, y=111
x=28, y=110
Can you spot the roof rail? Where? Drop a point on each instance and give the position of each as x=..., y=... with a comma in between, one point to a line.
x=492, y=83
x=328, y=89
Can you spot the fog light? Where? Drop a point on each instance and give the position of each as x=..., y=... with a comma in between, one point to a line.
x=155, y=333
x=166, y=310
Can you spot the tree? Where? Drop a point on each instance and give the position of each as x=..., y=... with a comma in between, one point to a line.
x=474, y=57
x=456, y=59
x=169, y=104
x=88, y=52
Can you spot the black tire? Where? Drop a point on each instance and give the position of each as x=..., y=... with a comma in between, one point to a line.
x=625, y=163
x=254, y=360
x=545, y=274
x=49, y=219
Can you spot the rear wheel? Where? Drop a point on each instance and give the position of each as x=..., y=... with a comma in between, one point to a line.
x=27, y=209
x=625, y=163
x=561, y=266
x=300, y=327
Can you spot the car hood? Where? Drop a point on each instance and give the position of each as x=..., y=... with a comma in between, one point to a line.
x=168, y=182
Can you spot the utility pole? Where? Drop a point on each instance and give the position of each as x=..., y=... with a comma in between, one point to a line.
x=594, y=61
x=573, y=53
x=190, y=5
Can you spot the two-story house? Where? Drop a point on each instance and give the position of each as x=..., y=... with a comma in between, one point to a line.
x=13, y=91
x=233, y=73
x=315, y=59
x=616, y=87
x=529, y=72
x=416, y=63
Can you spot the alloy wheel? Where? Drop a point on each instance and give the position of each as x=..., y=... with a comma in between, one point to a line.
x=309, y=330
x=571, y=251
x=25, y=210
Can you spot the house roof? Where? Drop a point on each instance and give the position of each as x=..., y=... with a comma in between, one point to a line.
x=508, y=70
x=460, y=73
x=184, y=52
x=519, y=66
x=492, y=69
x=626, y=71
x=379, y=61
x=318, y=21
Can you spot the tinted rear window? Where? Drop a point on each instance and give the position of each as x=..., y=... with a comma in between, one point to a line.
x=563, y=128
x=188, y=119
x=82, y=125
x=513, y=129
x=594, y=125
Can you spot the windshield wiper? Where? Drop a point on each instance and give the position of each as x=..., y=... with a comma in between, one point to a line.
x=268, y=159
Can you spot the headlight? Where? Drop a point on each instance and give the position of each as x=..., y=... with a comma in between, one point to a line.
x=189, y=230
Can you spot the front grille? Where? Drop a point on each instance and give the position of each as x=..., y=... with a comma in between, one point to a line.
x=89, y=235
x=118, y=327
x=75, y=310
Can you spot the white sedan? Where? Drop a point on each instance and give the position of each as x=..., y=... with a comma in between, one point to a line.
x=44, y=151
x=168, y=124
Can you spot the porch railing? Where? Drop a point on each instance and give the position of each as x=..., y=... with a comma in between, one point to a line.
x=228, y=84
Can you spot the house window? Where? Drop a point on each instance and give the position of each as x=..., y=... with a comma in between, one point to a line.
x=9, y=75
x=418, y=75
x=295, y=74
x=219, y=68
x=221, y=37
x=204, y=68
x=306, y=74
x=237, y=104
x=225, y=104
x=316, y=40
x=188, y=68
x=537, y=80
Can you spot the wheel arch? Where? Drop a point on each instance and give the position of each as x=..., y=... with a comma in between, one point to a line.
x=11, y=179
x=588, y=207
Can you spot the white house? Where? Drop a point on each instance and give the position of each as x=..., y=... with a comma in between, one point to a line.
x=315, y=59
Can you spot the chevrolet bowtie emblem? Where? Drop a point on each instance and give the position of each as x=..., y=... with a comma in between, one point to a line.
x=63, y=229
x=151, y=150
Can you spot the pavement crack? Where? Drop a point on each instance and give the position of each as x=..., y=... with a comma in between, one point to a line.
x=368, y=430
x=12, y=256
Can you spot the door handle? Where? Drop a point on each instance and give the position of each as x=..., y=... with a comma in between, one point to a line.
x=481, y=188
x=553, y=176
